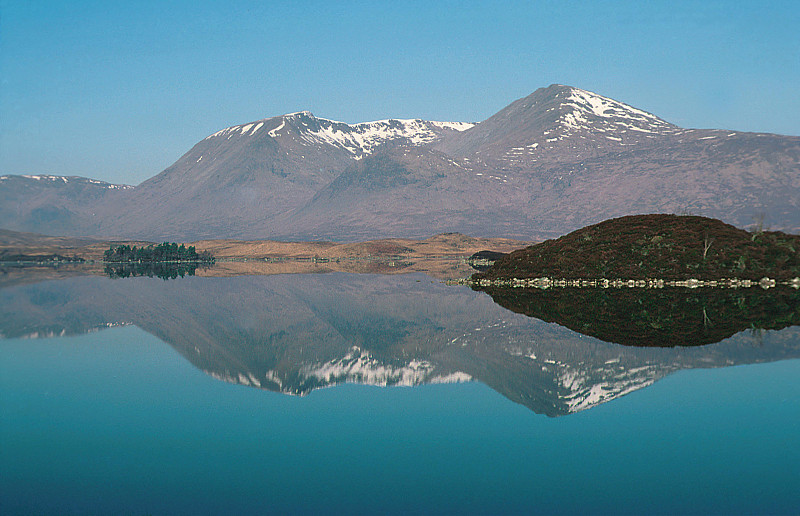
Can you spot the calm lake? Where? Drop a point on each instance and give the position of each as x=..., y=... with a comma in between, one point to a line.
x=390, y=394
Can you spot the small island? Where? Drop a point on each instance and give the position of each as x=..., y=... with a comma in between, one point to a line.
x=648, y=249
x=653, y=252
x=166, y=261
x=161, y=253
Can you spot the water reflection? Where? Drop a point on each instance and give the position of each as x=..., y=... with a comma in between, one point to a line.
x=656, y=317
x=165, y=271
x=298, y=332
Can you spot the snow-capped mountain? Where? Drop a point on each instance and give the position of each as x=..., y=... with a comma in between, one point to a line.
x=559, y=122
x=556, y=160
x=357, y=139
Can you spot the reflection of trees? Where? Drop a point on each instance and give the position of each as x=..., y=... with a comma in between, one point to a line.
x=158, y=269
x=166, y=252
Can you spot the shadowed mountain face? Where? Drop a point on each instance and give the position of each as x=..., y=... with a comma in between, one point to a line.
x=296, y=333
x=549, y=163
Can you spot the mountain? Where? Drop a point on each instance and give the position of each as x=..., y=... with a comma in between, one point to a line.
x=58, y=204
x=248, y=180
x=559, y=123
x=556, y=160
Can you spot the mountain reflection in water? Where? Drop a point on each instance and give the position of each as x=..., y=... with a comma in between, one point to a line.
x=298, y=332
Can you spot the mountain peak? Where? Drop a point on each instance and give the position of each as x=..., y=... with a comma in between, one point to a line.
x=308, y=114
x=574, y=109
x=559, y=119
x=583, y=109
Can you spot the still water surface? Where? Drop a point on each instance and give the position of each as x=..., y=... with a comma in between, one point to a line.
x=164, y=415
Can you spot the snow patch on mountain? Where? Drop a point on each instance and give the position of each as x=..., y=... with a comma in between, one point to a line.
x=357, y=139
x=274, y=132
x=585, y=393
x=363, y=138
x=359, y=366
x=456, y=126
x=584, y=108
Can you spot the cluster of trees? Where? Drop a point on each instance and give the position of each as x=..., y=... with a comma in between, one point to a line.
x=166, y=252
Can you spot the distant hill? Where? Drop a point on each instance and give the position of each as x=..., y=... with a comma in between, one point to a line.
x=56, y=205
x=554, y=161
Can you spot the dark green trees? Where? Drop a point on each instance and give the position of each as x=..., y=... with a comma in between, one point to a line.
x=166, y=252
x=167, y=260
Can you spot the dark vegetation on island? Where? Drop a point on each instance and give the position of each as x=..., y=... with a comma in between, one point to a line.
x=656, y=317
x=669, y=247
x=663, y=247
x=166, y=261
x=166, y=252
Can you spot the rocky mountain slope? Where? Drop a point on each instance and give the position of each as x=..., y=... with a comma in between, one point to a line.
x=549, y=163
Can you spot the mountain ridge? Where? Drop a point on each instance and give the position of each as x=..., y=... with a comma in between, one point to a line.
x=554, y=161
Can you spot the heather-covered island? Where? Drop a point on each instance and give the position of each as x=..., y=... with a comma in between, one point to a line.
x=654, y=251
x=655, y=247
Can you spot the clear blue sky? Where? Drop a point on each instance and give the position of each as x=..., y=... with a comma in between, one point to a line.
x=120, y=90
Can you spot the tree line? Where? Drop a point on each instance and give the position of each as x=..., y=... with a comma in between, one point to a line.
x=166, y=252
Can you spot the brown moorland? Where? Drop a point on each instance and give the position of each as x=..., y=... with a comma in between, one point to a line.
x=659, y=246
x=440, y=256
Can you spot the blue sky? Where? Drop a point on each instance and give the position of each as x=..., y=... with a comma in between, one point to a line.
x=119, y=92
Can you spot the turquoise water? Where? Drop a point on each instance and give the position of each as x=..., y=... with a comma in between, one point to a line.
x=117, y=422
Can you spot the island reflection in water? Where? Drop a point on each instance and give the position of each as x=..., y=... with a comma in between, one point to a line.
x=657, y=317
x=294, y=333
